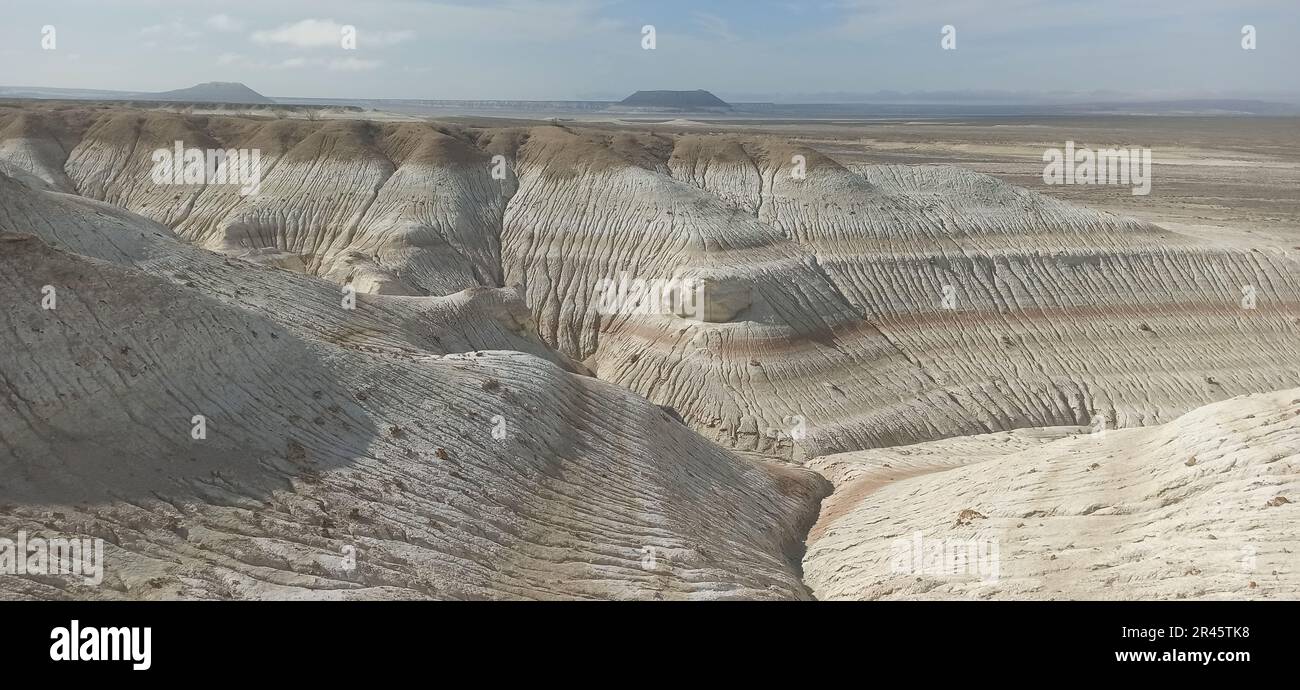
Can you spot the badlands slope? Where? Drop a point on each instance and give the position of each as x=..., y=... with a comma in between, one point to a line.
x=1202, y=507
x=826, y=295
x=336, y=434
x=845, y=310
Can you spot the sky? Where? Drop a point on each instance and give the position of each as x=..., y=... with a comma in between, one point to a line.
x=742, y=50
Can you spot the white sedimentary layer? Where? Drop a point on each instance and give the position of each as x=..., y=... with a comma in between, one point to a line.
x=1201, y=507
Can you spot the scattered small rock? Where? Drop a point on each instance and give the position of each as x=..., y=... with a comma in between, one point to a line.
x=1190, y=461
x=1277, y=501
x=441, y=453
x=967, y=515
x=295, y=452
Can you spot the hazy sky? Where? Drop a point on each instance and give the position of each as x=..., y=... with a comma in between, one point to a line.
x=739, y=49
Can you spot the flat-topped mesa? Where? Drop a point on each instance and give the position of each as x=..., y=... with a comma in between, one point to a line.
x=672, y=101
x=209, y=92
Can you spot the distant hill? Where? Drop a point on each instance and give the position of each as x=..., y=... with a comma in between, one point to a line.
x=210, y=92
x=699, y=100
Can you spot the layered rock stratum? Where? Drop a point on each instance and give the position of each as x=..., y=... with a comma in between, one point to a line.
x=844, y=310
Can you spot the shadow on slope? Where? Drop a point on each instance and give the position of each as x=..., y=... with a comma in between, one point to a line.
x=106, y=388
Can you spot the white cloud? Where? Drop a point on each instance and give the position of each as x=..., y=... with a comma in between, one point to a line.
x=173, y=29
x=349, y=64
x=321, y=33
x=308, y=33
x=516, y=21
x=386, y=38
x=863, y=18
x=714, y=26
x=224, y=22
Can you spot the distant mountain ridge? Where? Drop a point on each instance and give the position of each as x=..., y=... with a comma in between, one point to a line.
x=210, y=92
